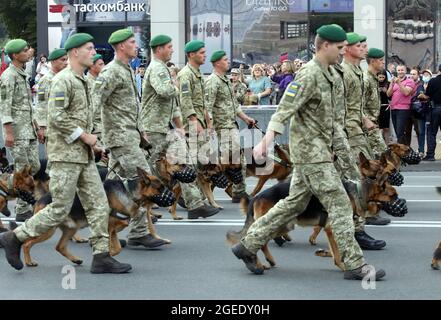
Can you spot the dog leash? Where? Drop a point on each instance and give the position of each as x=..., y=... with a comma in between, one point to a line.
x=273, y=157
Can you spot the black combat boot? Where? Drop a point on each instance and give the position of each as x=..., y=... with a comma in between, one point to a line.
x=147, y=241
x=364, y=272
x=377, y=221
x=24, y=216
x=203, y=211
x=247, y=257
x=12, y=246
x=366, y=242
x=104, y=263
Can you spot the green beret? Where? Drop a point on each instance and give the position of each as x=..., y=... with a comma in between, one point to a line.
x=216, y=56
x=363, y=38
x=194, y=46
x=120, y=36
x=353, y=38
x=97, y=57
x=77, y=40
x=332, y=32
x=160, y=41
x=15, y=46
x=57, y=54
x=375, y=53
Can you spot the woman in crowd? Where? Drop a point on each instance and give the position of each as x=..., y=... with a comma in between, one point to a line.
x=259, y=86
x=42, y=68
x=384, y=117
x=421, y=109
x=284, y=78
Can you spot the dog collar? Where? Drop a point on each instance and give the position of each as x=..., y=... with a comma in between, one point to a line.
x=279, y=161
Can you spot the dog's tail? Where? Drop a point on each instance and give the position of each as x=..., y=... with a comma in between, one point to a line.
x=247, y=207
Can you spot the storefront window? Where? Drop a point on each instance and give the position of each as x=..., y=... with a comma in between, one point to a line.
x=264, y=32
x=411, y=32
x=210, y=21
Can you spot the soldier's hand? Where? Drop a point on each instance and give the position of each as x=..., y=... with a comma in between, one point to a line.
x=260, y=151
x=368, y=124
x=41, y=135
x=9, y=140
x=89, y=139
x=250, y=122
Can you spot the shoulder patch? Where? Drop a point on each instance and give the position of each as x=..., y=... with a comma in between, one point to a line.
x=293, y=89
x=185, y=88
x=59, y=98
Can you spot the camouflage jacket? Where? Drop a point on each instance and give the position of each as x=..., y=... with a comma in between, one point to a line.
x=222, y=105
x=70, y=114
x=191, y=94
x=309, y=102
x=240, y=91
x=372, y=97
x=116, y=95
x=16, y=103
x=97, y=124
x=159, y=99
x=43, y=98
x=354, y=84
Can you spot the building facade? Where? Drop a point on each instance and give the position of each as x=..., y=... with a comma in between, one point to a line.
x=250, y=31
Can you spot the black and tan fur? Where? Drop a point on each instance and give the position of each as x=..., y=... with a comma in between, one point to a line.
x=120, y=201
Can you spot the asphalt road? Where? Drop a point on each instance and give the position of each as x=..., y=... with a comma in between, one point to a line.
x=199, y=264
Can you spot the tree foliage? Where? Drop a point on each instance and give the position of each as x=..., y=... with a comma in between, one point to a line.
x=19, y=17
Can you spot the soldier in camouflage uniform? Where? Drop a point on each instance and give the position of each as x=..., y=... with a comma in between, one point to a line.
x=70, y=149
x=372, y=107
x=116, y=95
x=160, y=113
x=192, y=102
x=357, y=122
x=239, y=88
x=223, y=109
x=310, y=105
x=17, y=116
x=58, y=60
x=92, y=74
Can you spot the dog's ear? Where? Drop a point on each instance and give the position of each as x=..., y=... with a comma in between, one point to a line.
x=26, y=171
x=383, y=160
x=363, y=159
x=144, y=176
x=381, y=177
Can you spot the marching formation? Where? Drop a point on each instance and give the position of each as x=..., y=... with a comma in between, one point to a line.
x=112, y=156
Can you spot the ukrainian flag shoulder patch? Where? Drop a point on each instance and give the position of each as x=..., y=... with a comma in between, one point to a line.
x=293, y=89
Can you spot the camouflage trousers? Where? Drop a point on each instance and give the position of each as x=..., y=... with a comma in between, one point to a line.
x=172, y=147
x=323, y=181
x=25, y=152
x=345, y=163
x=376, y=142
x=66, y=180
x=229, y=148
x=124, y=161
x=359, y=144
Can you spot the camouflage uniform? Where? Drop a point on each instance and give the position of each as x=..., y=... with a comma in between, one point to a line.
x=240, y=92
x=355, y=90
x=372, y=112
x=345, y=163
x=223, y=108
x=43, y=98
x=309, y=101
x=73, y=166
x=16, y=109
x=115, y=93
x=159, y=108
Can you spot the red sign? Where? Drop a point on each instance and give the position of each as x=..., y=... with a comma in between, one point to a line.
x=56, y=8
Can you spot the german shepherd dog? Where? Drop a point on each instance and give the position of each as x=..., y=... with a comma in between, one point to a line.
x=16, y=185
x=282, y=168
x=143, y=188
x=373, y=191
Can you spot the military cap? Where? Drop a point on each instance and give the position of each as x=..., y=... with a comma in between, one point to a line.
x=77, y=40
x=97, y=57
x=363, y=38
x=353, y=38
x=217, y=55
x=235, y=71
x=120, y=36
x=332, y=32
x=57, y=54
x=160, y=40
x=375, y=53
x=15, y=46
x=194, y=46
